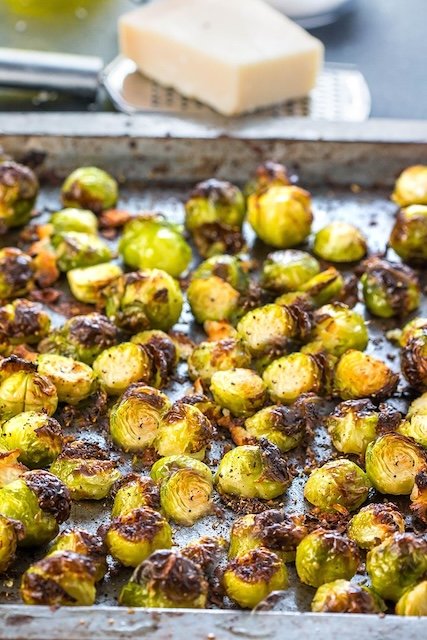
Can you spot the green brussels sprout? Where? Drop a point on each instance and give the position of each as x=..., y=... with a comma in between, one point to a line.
x=143, y=300
x=281, y=215
x=153, y=242
x=353, y=425
x=133, y=492
x=85, y=544
x=23, y=389
x=167, y=579
x=418, y=496
x=341, y=596
x=389, y=289
x=325, y=556
x=185, y=488
x=86, y=470
x=408, y=237
x=82, y=338
x=358, y=375
x=73, y=380
x=163, y=352
x=183, y=430
x=338, y=483
x=18, y=192
x=336, y=329
x=326, y=287
x=40, y=502
x=392, y=462
x=415, y=427
x=80, y=220
x=10, y=468
x=418, y=406
x=411, y=186
x=118, y=367
x=268, y=328
x=37, y=436
x=414, y=601
x=16, y=273
x=133, y=536
x=89, y=188
x=412, y=329
x=214, y=214
x=219, y=355
x=413, y=360
x=228, y=268
x=135, y=418
x=374, y=523
x=291, y=376
x=397, y=564
x=22, y=321
x=251, y=577
x=340, y=242
x=288, y=270
x=253, y=471
x=63, y=578
x=10, y=532
x=87, y=284
x=268, y=174
x=241, y=391
x=285, y=427
x=76, y=250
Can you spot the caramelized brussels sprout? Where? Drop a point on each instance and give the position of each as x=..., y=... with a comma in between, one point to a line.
x=80, y=220
x=118, y=367
x=415, y=427
x=22, y=321
x=341, y=596
x=163, y=352
x=73, y=380
x=412, y=329
x=413, y=360
x=374, y=523
x=166, y=579
x=204, y=551
x=183, y=430
x=409, y=235
x=84, y=543
x=268, y=174
x=411, y=186
x=283, y=426
x=268, y=328
x=10, y=468
x=9, y=536
x=397, y=564
x=392, y=462
x=89, y=188
x=37, y=436
x=133, y=492
x=325, y=556
x=23, y=389
x=289, y=377
x=340, y=242
x=76, y=250
x=18, y=192
x=87, y=284
x=327, y=286
x=241, y=391
x=389, y=289
x=418, y=496
x=336, y=329
x=287, y=270
x=221, y=355
x=16, y=273
x=338, y=483
x=414, y=601
x=353, y=425
x=358, y=375
x=281, y=215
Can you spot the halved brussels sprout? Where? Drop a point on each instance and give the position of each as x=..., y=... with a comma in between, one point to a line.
x=415, y=427
x=353, y=425
x=87, y=284
x=409, y=235
x=118, y=367
x=284, y=271
x=183, y=430
x=10, y=532
x=10, y=468
x=163, y=352
x=73, y=380
x=397, y=564
x=340, y=242
x=241, y=391
x=358, y=375
x=89, y=188
x=413, y=360
x=22, y=321
x=414, y=601
x=219, y=355
x=326, y=287
x=325, y=556
x=341, y=596
x=80, y=220
x=37, y=436
x=289, y=377
x=418, y=496
x=133, y=492
x=76, y=250
x=18, y=192
x=389, y=289
x=392, y=462
x=374, y=523
x=338, y=483
x=85, y=544
x=411, y=186
x=23, y=389
x=212, y=299
x=268, y=174
x=283, y=426
x=336, y=329
x=16, y=273
x=268, y=328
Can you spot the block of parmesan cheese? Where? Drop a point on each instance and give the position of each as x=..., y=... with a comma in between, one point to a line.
x=234, y=55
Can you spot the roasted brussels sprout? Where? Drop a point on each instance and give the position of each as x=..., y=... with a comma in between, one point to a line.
x=87, y=284
x=397, y=564
x=10, y=468
x=289, y=377
x=253, y=471
x=353, y=425
x=326, y=287
x=143, y=300
x=340, y=242
x=80, y=220
x=336, y=329
x=418, y=496
x=163, y=352
x=415, y=427
x=40, y=502
x=358, y=375
x=166, y=579
x=341, y=596
x=220, y=355
x=73, y=380
x=22, y=321
x=18, y=192
x=89, y=188
x=75, y=250
x=249, y=578
x=135, y=418
x=338, y=483
x=241, y=391
x=23, y=389
x=214, y=214
x=118, y=367
x=183, y=430
x=205, y=551
x=16, y=273
x=86, y=470
x=411, y=186
x=133, y=536
x=414, y=601
x=268, y=174
x=412, y=329
x=10, y=532
x=281, y=215
x=284, y=271
x=37, y=436
x=389, y=289
x=268, y=329
x=85, y=544
x=63, y=578
x=409, y=235
x=325, y=556
x=413, y=360
x=133, y=492
x=374, y=523
x=283, y=426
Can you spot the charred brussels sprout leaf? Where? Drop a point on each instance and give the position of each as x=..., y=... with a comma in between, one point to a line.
x=163, y=352
x=37, y=437
x=414, y=601
x=418, y=496
x=291, y=376
x=183, y=430
x=409, y=235
x=18, y=192
x=325, y=287
x=288, y=270
x=118, y=367
x=325, y=556
x=16, y=273
x=389, y=289
x=374, y=523
x=411, y=186
x=23, y=389
x=268, y=174
x=74, y=381
x=337, y=329
x=90, y=188
x=80, y=220
x=413, y=360
x=338, y=483
x=241, y=391
x=87, y=284
x=341, y=596
x=10, y=532
x=340, y=242
x=220, y=355
x=353, y=425
x=75, y=250
x=133, y=492
x=283, y=426
x=358, y=375
x=22, y=321
x=86, y=544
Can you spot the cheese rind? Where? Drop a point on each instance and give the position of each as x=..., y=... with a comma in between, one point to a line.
x=234, y=55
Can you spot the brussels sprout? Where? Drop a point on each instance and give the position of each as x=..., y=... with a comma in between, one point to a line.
x=214, y=215
x=75, y=250
x=63, y=578
x=204, y=551
x=413, y=360
x=289, y=377
x=253, y=471
x=87, y=284
x=411, y=186
x=340, y=242
x=418, y=496
x=22, y=321
x=40, y=502
x=415, y=427
x=86, y=470
x=18, y=192
x=281, y=215
x=37, y=436
x=412, y=329
x=89, y=188
x=417, y=406
x=149, y=243
x=337, y=329
x=132, y=492
x=249, y=578
x=118, y=367
x=287, y=270
x=283, y=426
x=397, y=564
x=163, y=354
x=10, y=532
x=392, y=462
x=166, y=579
x=16, y=273
x=241, y=391
x=135, y=418
x=10, y=468
x=82, y=338
x=341, y=596
x=73, y=380
x=268, y=174
x=389, y=289
x=374, y=523
x=327, y=286
x=268, y=328
x=84, y=543
x=220, y=355
x=143, y=300
x=409, y=235
x=183, y=430
x=228, y=268
x=132, y=537
x=358, y=375
x=80, y=220
x=23, y=389
x=353, y=425
x=414, y=601
x=338, y=483
x=325, y=556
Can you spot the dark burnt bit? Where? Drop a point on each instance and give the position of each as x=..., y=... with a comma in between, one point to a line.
x=89, y=544
x=25, y=321
x=279, y=531
x=355, y=600
x=205, y=552
x=16, y=268
x=349, y=294
x=290, y=420
x=362, y=408
x=301, y=311
x=91, y=411
x=385, y=513
x=161, y=296
x=163, y=345
x=141, y=392
x=148, y=487
x=210, y=410
x=213, y=233
x=13, y=174
x=413, y=360
x=82, y=450
x=326, y=520
x=389, y=419
x=393, y=278
x=45, y=591
x=257, y=565
x=159, y=366
x=338, y=544
x=93, y=329
x=407, y=543
x=138, y=525
x=418, y=504
x=78, y=192
x=51, y=429
x=52, y=495
x=14, y=364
